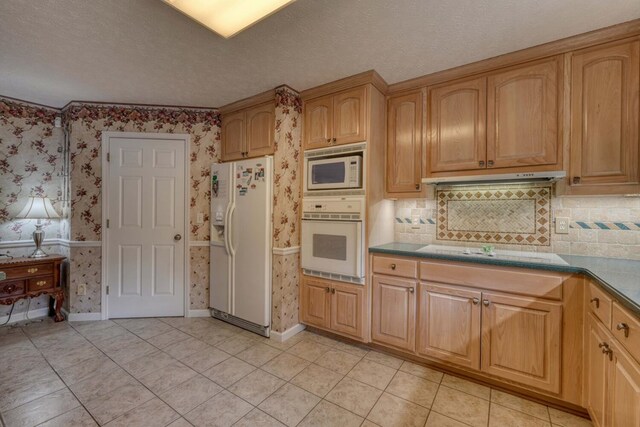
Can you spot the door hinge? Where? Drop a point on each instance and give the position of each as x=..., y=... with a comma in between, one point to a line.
x=107, y=223
x=108, y=157
x=107, y=290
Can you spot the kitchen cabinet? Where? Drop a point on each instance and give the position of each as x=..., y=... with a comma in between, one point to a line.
x=404, y=143
x=248, y=132
x=596, y=366
x=393, y=313
x=522, y=115
x=506, y=119
x=624, y=385
x=521, y=339
x=605, y=82
x=335, y=119
x=457, y=126
x=334, y=306
x=449, y=324
x=315, y=302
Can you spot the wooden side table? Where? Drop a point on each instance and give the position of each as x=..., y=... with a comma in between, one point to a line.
x=31, y=277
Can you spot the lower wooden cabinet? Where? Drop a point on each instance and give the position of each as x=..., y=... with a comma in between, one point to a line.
x=394, y=312
x=449, y=324
x=521, y=339
x=612, y=379
x=335, y=306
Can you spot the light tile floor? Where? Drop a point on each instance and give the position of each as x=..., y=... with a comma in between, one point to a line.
x=203, y=372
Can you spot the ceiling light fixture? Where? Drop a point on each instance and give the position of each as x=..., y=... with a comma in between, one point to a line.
x=228, y=17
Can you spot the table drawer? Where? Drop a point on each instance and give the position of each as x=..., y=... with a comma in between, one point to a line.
x=599, y=303
x=395, y=266
x=9, y=289
x=22, y=272
x=626, y=328
x=40, y=283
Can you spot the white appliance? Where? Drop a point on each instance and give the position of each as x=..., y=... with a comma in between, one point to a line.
x=338, y=172
x=332, y=238
x=241, y=233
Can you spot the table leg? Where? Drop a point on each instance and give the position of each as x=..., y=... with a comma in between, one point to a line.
x=59, y=300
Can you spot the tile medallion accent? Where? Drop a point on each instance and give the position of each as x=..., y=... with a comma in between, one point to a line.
x=505, y=214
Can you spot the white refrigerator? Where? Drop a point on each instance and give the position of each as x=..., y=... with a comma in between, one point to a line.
x=241, y=233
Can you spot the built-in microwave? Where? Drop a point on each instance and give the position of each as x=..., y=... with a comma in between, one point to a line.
x=340, y=172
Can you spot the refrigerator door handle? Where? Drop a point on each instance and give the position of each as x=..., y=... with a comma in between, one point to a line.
x=228, y=237
x=227, y=230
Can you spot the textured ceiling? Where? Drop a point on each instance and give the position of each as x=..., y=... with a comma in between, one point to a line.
x=143, y=51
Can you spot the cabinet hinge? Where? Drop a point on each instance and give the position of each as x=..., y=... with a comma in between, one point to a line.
x=107, y=223
x=108, y=157
x=107, y=290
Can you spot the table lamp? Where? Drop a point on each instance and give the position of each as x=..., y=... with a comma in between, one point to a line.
x=38, y=208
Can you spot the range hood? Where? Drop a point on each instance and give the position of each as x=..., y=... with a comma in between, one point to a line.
x=502, y=178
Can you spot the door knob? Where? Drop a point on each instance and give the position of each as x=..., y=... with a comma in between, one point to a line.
x=177, y=237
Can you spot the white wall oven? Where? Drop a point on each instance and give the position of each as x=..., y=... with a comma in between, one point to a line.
x=338, y=172
x=332, y=238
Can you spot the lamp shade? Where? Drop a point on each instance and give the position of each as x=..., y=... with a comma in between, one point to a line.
x=38, y=208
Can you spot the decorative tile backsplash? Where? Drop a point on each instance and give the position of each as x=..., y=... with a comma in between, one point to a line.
x=502, y=214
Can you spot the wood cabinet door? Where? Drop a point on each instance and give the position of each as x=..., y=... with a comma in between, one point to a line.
x=347, y=309
x=521, y=339
x=315, y=307
x=393, y=314
x=605, y=83
x=318, y=122
x=404, y=143
x=260, y=130
x=457, y=126
x=349, y=117
x=233, y=136
x=624, y=386
x=449, y=324
x=596, y=365
x=522, y=115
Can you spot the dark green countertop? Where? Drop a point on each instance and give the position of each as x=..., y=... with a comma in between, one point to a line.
x=620, y=277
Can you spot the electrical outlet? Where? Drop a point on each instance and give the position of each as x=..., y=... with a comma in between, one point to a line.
x=562, y=225
x=200, y=219
x=82, y=289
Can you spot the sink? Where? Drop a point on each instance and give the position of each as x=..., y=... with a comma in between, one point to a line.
x=523, y=256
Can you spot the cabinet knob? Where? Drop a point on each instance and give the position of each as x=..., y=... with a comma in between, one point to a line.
x=328, y=140
x=485, y=302
x=411, y=290
x=603, y=344
x=417, y=186
x=490, y=163
x=623, y=327
x=9, y=288
x=607, y=351
x=334, y=139
x=596, y=301
x=576, y=180
x=327, y=289
x=41, y=283
x=333, y=290
x=476, y=301
x=481, y=163
x=32, y=270
x=393, y=266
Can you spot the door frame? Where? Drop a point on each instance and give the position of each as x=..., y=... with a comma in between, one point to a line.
x=185, y=140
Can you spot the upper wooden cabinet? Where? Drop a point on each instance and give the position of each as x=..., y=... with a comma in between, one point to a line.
x=507, y=119
x=248, y=132
x=605, y=83
x=457, y=123
x=404, y=143
x=522, y=116
x=335, y=119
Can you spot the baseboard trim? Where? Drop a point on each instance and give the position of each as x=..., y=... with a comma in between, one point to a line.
x=18, y=317
x=204, y=312
x=283, y=336
x=82, y=317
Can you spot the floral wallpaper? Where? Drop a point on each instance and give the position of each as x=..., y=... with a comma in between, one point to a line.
x=284, y=291
x=88, y=121
x=287, y=179
x=199, y=274
x=30, y=163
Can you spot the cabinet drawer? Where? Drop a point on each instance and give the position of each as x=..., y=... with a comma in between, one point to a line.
x=395, y=266
x=40, y=283
x=599, y=303
x=515, y=281
x=626, y=328
x=28, y=271
x=8, y=289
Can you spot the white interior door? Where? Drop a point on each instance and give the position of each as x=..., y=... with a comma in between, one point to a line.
x=145, y=238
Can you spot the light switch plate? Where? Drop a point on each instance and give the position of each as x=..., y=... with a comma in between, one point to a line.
x=562, y=225
x=82, y=289
x=200, y=218
x=3, y=275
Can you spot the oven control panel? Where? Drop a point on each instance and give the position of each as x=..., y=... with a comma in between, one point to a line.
x=337, y=205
